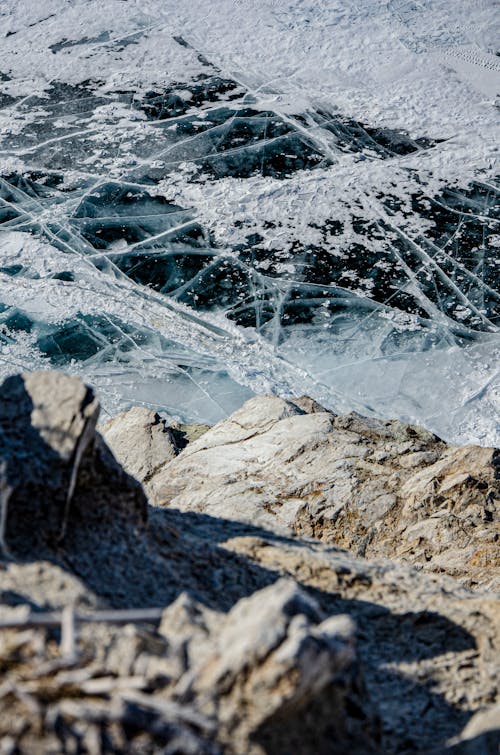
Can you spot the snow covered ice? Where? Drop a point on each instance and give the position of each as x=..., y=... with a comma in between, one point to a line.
x=201, y=202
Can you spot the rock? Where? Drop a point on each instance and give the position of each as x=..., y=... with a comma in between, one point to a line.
x=481, y=736
x=42, y=585
x=185, y=434
x=141, y=441
x=308, y=405
x=381, y=489
x=242, y=659
x=278, y=676
x=88, y=707
x=53, y=466
x=235, y=669
x=46, y=419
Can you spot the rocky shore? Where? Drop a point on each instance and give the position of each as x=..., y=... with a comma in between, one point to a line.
x=287, y=581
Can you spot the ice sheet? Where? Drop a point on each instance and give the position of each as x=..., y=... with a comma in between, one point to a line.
x=289, y=197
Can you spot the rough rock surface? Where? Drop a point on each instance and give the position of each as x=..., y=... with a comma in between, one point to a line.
x=53, y=465
x=377, y=488
x=344, y=655
x=275, y=673
x=47, y=420
x=143, y=441
x=481, y=736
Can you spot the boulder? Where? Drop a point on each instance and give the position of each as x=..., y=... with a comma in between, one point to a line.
x=278, y=675
x=53, y=465
x=141, y=440
x=378, y=488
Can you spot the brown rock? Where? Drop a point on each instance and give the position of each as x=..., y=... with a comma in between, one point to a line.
x=242, y=661
x=381, y=489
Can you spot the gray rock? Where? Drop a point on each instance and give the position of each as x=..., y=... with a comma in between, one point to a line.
x=49, y=452
x=308, y=405
x=378, y=488
x=262, y=670
x=481, y=736
x=44, y=410
x=141, y=441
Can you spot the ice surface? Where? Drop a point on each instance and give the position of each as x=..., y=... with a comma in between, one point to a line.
x=183, y=230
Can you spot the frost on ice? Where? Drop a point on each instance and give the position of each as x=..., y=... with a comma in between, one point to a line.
x=186, y=240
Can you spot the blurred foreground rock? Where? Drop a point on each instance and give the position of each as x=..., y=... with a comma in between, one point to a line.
x=53, y=463
x=276, y=674
x=481, y=736
x=247, y=635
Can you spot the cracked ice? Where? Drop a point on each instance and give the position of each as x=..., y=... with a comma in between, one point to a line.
x=185, y=227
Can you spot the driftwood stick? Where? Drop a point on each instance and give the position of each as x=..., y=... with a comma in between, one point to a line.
x=5, y=492
x=104, y=685
x=83, y=442
x=108, y=685
x=55, y=618
x=68, y=633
